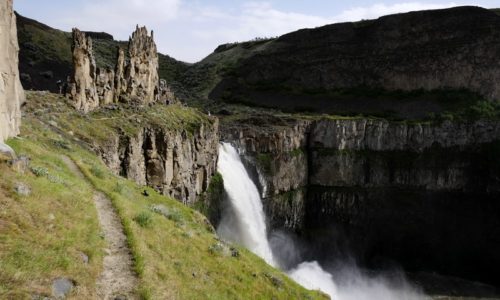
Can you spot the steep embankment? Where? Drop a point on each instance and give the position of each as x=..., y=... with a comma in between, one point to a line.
x=421, y=193
x=405, y=66
x=45, y=55
x=51, y=236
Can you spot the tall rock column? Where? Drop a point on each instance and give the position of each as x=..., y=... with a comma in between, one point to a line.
x=83, y=90
x=120, y=83
x=11, y=91
x=142, y=72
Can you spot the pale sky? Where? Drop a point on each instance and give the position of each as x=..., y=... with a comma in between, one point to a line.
x=189, y=30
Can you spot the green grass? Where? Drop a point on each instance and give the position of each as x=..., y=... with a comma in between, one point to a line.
x=176, y=254
x=43, y=235
x=175, y=249
x=101, y=126
x=48, y=44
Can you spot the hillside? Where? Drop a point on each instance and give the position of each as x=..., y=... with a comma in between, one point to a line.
x=405, y=66
x=45, y=55
x=175, y=251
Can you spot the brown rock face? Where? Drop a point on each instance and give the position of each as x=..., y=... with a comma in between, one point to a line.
x=83, y=88
x=105, y=85
x=142, y=73
x=136, y=81
x=175, y=163
x=11, y=91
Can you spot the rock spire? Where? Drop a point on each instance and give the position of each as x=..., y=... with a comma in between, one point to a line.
x=11, y=91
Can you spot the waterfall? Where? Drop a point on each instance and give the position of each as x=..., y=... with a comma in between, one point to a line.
x=243, y=222
x=244, y=219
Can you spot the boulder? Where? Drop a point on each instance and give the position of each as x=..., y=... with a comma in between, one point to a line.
x=6, y=153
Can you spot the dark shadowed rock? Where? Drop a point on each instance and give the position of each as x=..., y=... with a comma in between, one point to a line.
x=341, y=67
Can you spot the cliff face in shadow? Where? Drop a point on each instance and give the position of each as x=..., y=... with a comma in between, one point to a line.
x=422, y=194
x=374, y=66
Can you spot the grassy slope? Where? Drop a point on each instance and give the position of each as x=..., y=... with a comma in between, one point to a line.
x=177, y=255
x=101, y=125
x=42, y=235
x=200, y=78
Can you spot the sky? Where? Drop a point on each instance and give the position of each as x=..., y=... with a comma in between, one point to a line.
x=189, y=30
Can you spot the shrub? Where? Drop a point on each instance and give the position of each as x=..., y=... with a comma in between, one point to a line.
x=483, y=109
x=144, y=219
x=119, y=188
x=39, y=171
x=97, y=172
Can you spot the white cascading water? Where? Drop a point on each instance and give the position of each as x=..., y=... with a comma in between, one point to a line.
x=243, y=222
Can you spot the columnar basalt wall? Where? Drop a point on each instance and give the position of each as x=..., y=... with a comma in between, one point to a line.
x=174, y=162
x=384, y=190
x=11, y=91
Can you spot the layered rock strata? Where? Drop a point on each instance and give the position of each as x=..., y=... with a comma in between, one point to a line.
x=390, y=65
x=385, y=190
x=11, y=91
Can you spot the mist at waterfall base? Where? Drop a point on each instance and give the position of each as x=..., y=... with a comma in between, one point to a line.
x=243, y=222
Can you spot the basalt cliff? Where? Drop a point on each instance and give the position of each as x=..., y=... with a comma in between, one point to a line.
x=381, y=189
x=11, y=91
x=365, y=67
x=402, y=166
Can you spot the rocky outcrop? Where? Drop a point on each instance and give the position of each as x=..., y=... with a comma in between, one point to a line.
x=83, y=89
x=177, y=163
x=384, y=190
x=134, y=80
x=11, y=91
x=142, y=73
x=105, y=85
x=382, y=135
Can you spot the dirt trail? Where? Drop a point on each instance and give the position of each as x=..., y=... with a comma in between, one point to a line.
x=117, y=281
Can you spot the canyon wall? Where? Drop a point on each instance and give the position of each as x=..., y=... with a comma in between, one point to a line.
x=390, y=65
x=177, y=163
x=11, y=91
x=420, y=193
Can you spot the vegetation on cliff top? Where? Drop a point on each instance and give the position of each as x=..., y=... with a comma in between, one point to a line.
x=103, y=124
x=176, y=253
